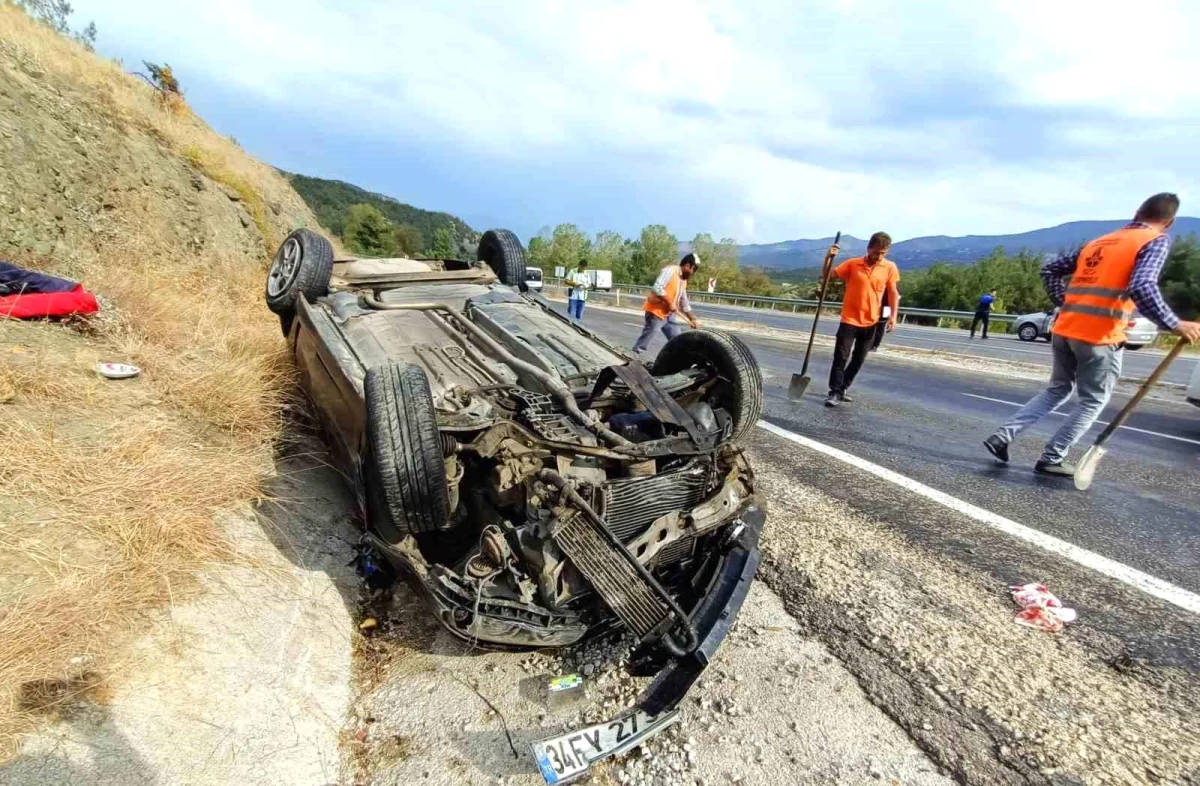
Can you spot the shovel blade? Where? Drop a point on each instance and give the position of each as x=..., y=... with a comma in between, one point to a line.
x=798, y=386
x=1085, y=470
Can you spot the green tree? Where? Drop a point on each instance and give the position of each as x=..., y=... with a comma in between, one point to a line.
x=444, y=245
x=1181, y=278
x=539, y=251
x=368, y=232
x=654, y=249
x=57, y=14
x=612, y=252
x=568, y=245
x=408, y=240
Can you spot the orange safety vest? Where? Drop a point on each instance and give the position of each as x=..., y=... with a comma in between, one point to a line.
x=1097, y=306
x=662, y=307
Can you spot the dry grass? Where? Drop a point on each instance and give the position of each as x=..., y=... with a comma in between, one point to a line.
x=111, y=491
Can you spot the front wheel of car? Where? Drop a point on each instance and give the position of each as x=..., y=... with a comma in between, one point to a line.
x=738, y=385
x=300, y=268
x=505, y=255
x=405, y=472
x=1027, y=332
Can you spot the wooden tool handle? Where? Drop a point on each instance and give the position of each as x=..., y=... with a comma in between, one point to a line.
x=828, y=268
x=1123, y=415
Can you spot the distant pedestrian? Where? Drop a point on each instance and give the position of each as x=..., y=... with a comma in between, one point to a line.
x=868, y=279
x=1109, y=276
x=667, y=301
x=712, y=285
x=579, y=282
x=983, y=312
x=881, y=326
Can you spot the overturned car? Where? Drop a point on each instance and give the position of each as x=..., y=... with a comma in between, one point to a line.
x=535, y=483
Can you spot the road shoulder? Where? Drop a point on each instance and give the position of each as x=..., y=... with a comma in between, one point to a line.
x=933, y=643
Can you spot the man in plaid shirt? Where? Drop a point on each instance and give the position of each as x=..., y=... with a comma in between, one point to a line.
x=1109, y=277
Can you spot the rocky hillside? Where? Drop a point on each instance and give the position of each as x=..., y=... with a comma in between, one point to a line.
x=112, y=491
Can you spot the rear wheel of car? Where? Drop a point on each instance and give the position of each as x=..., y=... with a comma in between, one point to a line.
x=1027, y=332
x=301, y=268
x=505, y=255
x=739, y=389
x=405, y=473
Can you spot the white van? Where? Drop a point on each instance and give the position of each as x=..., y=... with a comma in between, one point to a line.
x=601, y=279
x=533, y=278
x=1193, y=389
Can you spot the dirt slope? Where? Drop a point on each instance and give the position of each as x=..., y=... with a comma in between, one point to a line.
x=111, y=493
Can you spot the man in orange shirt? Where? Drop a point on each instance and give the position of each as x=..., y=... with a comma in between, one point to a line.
x=867, y=279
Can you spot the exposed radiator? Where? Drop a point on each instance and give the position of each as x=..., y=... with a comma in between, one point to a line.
x=629, y=505
x=626, y=593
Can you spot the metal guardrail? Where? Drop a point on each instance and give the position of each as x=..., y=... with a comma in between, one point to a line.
x=773, y=303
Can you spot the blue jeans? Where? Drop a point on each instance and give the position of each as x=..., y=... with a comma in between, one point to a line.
x=575, y=308
x=669, y=328
x=1093, y=369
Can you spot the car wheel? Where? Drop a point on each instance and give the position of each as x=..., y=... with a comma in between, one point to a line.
x=1134, y=347
x=740, y=387
x=1027, y=332
x=405, y=473
x=505, y=256
x=301, y=268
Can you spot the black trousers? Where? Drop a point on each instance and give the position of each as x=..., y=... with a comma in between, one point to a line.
x=980, y=316
x=852, y=345
x=880, y=329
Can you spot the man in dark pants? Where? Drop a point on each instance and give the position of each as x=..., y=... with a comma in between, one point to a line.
x=867, y=279
x=983, y=312
x=881, y=325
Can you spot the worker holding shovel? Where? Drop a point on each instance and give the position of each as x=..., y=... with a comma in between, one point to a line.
x=867, y=279
x=1109, y=277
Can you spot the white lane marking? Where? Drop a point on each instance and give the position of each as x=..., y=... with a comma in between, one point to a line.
x=1151, y=585
x=1099, y=422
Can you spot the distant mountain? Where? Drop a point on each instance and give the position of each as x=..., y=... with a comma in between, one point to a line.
x=924, y=251
x=330, y=199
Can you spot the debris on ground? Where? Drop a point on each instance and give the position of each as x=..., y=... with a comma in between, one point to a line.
x=1040, y=608
x=117, y=370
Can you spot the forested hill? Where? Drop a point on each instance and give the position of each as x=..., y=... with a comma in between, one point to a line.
x=924, y=251
x=331, y=200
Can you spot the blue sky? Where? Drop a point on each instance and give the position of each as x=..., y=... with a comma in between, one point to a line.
x=763, y=121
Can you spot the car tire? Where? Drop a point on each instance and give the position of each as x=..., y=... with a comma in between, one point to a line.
x=742, y=392
x=405, y=472
x=1134, y=347
x=1027, y=332
x=301, y=267
x=505, y=255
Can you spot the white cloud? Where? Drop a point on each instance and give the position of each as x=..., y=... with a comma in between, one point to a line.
x=766, y=122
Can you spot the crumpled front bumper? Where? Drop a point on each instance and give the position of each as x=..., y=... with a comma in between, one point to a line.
x=713, y=616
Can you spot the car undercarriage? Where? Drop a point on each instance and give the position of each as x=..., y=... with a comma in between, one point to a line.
x=536, y=484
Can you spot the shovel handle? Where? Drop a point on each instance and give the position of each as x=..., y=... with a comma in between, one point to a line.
x=827, y=269
x=1150, y=382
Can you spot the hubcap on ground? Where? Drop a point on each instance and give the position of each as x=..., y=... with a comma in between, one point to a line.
x=284, y=268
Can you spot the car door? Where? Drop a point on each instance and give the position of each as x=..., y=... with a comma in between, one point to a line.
x=325, y=362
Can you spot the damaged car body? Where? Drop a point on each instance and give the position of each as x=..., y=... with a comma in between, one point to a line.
x=535, y=483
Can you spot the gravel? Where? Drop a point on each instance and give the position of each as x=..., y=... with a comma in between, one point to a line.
x=934, y=645
x=774, y=708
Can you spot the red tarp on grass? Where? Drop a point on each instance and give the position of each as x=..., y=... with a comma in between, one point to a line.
x=48, y=304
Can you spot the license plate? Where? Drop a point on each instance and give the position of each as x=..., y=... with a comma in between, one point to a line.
x=568, y=756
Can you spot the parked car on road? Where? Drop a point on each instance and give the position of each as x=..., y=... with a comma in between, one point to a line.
x=1030, y=327
x=1193, y=388
x=534, y=482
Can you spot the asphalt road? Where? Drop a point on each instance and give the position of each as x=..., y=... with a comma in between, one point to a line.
x=927, y=422
x=1138, y=364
